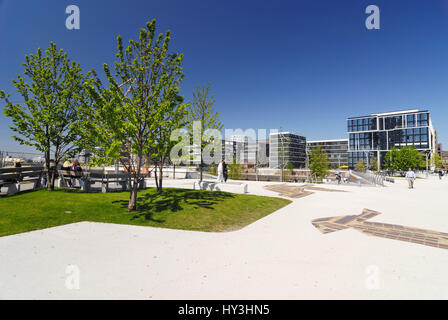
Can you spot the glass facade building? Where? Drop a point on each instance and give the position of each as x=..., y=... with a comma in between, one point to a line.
x=336, y=150
x=372, y=136
x=287, y=147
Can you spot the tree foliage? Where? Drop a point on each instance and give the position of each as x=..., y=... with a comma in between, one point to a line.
x=402, y=159
x=134, y=116
x=360, y=166
x=374, y=164
x=436, y=161
x=48, y=119
x=319, y=164
x=235, y=170
x=201, y=111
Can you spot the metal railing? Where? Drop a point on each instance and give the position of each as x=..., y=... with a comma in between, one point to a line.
x=376, y=179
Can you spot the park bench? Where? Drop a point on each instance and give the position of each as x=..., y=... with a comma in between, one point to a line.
x=91, y=177
x=13, y=178
x=64, y=178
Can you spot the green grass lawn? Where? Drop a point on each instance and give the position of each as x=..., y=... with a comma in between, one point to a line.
x=174, y=208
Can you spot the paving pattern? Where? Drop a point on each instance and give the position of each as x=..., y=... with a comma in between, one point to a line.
x=297, y=191
x=384, y=230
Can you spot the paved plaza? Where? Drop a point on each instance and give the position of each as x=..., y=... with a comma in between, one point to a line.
x=289, y=254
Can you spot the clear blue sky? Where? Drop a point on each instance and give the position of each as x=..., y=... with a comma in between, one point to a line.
x=304, y=65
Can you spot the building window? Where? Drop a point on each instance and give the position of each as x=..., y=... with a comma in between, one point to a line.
x=394, y=122
x=411, y=120
x=422, y=119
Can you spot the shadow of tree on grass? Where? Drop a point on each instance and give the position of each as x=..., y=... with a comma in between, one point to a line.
x=173, y=200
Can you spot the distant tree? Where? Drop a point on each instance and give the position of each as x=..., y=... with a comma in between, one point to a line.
x=201, y=110
x=404, y=158
x=213, y=169
x=374, y=164
x=319, y=164
x=235, y=170
x=48, y=120
x=390, y=159
x=360, y=166
x=436, y=161
x=288, y=172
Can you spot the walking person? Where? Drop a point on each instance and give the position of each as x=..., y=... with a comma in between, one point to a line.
x=410, y=176
x=440, y=174
x=338, y=176
x=224, y=170
x=220, y=172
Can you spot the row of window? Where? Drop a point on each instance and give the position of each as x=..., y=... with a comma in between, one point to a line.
x=386, y=140
x=354, y=157
x=389, y=123
x=361, y=124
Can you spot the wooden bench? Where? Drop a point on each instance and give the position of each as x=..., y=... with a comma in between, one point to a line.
x=91, y=177
x=13, y=178
x=106, y=179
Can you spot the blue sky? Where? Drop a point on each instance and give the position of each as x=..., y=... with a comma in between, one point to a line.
x=304, y=65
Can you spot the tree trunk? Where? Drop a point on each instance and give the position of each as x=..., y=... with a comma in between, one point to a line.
x=133, y=195
x=48, y=173
x=159, y=187
x=200, y=169
x=53, y=176
x=134, y=188
x=155, y=178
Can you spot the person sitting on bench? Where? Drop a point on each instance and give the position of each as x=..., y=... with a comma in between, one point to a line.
x=76, y=171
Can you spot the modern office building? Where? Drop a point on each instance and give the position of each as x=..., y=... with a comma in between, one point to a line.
x=374, y=135
x=336, y=150
x=258, y=153
x=287, y=147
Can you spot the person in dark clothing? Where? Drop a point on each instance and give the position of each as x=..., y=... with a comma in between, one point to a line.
x=440, y=174
x=224, y=170
x=76, y=170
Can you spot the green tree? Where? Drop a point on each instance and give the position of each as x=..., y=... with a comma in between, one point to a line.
x=235, y=170
x=436, y=161
x=201, y=110
x=213, y=169
x=319, y=164
x=134, y=119
x=48, y=120
x=390, y=159
x=360, y=166
x=404, y=158
x=374, y=164
x=288, y=172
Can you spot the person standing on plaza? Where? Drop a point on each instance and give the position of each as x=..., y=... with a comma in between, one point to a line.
x=410, y=176
x=224, y=170
x=440, y=174
x=220, y=172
